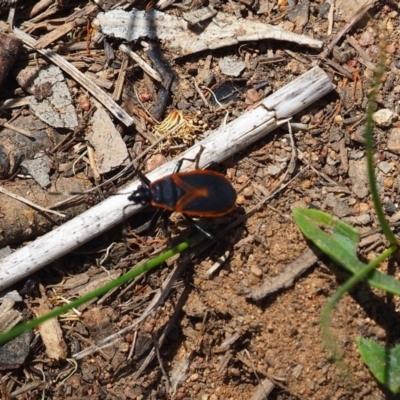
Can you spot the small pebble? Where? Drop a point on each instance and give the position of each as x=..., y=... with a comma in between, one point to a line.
x=273, y=170
x=393, y=142
x=194, y=377
x=356, y=155
x=388, y=182
x=288, y=26
x=248, y=192
x=358, y=176
x=363, y=208
x=252, y=96
x=230, y=173
x=330, y=161
x=380, y=333
x=351, y=201
x=300, y=203
x=385, y=167
x=371, y=256
x=256, y=271
x=339, y=120
x=306, y=184
x=240, y=200
x=383, y=117
x=180, y=394
x=229, y=66
x=341, y=209
x=84, y=103
x=366, y=38
x=144, y=97
x=390, y=27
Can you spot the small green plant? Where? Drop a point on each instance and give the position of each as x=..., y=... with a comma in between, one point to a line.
x=339, y=241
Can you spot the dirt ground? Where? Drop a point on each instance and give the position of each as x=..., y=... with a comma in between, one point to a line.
x=206, y=339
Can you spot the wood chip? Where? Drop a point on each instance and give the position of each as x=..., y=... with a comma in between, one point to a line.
x=50, y=331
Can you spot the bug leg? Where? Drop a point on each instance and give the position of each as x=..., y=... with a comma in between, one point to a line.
x=195, y=160
x=154, y=219
x=143, y=178
x=199, y=228
x=165, y=220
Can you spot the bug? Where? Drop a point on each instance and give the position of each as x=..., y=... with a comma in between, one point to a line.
x=198, y=193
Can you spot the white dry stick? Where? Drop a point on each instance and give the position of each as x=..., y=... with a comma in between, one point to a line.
x=330, y=17
x=14, y=128
x=222, y=143
x=83, y=80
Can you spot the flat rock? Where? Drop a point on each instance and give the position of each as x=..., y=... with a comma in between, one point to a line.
x=39, y=169
x=339, y=208
x=52, y=101
x=110, y=149
x=384, y=166
x=231, y=67
x=358, y=177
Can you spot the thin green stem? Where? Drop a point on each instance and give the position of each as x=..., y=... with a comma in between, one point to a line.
x=345, y=288
x=369, y=145
x=6, y=336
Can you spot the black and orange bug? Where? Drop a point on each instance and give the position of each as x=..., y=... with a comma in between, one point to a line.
x=199, y=194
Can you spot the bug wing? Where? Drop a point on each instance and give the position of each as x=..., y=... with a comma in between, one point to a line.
x=207, y=194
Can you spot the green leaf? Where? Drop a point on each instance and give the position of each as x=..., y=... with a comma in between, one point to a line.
x=383, y=362
x=339, y=241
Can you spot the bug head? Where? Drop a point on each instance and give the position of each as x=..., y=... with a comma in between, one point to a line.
x=142, y=195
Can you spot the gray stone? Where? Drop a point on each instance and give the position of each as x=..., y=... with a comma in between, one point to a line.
x=358, y=177
x=393, y=143
x=231, y=67
x=384, y=166
x=273, y=170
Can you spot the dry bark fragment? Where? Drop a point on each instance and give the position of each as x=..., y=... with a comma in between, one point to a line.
x=50, y=331
x=223, y=30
